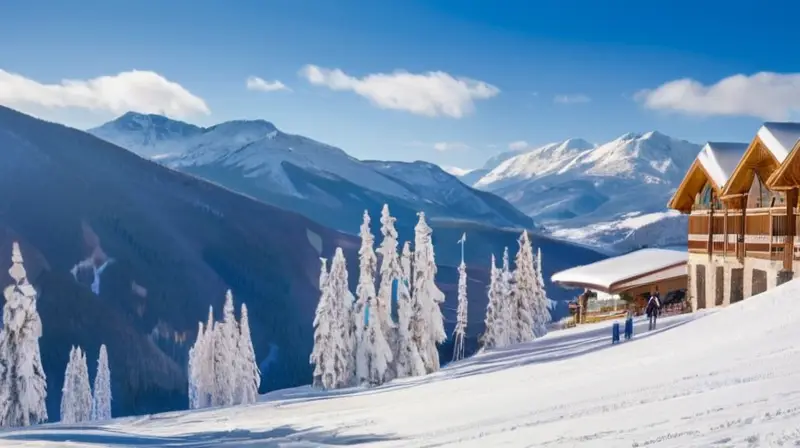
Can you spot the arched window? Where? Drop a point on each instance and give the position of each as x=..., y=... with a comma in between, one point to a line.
x=703, y=199
x=760, y=196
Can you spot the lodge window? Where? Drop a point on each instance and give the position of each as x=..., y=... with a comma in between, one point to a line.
x=761, y=196
x=703, y=199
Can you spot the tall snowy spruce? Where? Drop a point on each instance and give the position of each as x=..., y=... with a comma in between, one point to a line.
x=205, y=364
x=461, y=312
x=101, y=400
x=195, y=369
x=23, y=385
x=494, y=325
x=541, y=303
x=373, y=353
x=249, y=376
x=428, y=323
x=524, y=292
x=226, y=336
x=76, y=398
x=333, y=344
x=408, y=361
x=391, y=272
x=507, y=303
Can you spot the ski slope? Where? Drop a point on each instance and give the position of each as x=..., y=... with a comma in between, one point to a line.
x=723, y=378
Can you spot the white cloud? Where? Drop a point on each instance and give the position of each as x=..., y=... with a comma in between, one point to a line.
x=571, y=99
x=450, y=146
x=518, y=145
x=136, y=90
x=771, y=96
x=430, y=94
x=259, y=84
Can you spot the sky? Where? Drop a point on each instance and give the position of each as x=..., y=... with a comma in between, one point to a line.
x=451, y=82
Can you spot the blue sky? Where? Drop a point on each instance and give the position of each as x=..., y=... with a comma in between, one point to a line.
x=538, y=71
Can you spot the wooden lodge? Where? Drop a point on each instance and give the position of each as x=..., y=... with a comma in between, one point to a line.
x=743, y=218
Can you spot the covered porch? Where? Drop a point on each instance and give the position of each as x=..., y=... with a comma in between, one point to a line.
x=625, y=282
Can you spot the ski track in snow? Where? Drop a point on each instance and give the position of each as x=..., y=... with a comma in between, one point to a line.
x=723, y=378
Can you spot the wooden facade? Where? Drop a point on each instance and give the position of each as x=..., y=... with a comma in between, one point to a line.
x=754, y=214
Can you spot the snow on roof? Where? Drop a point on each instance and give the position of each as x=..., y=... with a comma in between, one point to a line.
x=606, y=273
x=779, y=138
x=719, y=159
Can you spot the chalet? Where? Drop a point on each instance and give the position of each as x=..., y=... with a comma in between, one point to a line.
x=742, y=205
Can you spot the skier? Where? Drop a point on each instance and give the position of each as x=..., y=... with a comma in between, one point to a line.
x=653, y=305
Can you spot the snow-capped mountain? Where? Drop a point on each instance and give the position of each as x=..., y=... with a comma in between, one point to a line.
x=597, y=194
x=301, y=174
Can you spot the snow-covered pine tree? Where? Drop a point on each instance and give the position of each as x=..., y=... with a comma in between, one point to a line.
x=194, y=369
x=428, y=324
x=541, y=303
x=83, y=389
x=461, y=313
x=507, y=330
x=68, y=390
x=248, y=373
x=206, y=368
x=524, y=291
x=344, y=302
x=408, y=361
x=365, y=294
x=226, y=336
x=391, y=272
x=76, y=398
x=23, y=384
x=494, y=320
x=332, y=353
x=101, y=403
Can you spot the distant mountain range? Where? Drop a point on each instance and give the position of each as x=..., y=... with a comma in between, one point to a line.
x=170, y=244
x=296, y=173
x=605, y=195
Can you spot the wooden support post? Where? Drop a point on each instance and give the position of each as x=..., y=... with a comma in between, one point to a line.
x=791, y=230
x=741, y=252
x=711, y=227
x=725, y=233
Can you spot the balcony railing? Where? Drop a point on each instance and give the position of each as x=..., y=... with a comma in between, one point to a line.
x=764, y=236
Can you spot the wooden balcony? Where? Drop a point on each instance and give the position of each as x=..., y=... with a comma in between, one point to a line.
x=764, y=235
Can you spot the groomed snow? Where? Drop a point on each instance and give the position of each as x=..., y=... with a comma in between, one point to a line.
x=779, y=138
x=719, y=159
x=605, y=273
x=693, y=382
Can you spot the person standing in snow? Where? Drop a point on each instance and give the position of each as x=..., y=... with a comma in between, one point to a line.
x=653, y=305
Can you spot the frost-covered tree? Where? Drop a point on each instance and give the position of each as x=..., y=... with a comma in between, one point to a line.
x=408, y=361
x=195, y=369
x=365, y=294
x=249, y=377
x=68, y=390
x=506, y=335
x=493, y=323
x=541, y=304
x=461, y=313
x=391, y=272
x=524, y=291
x=23, y=384
x=76, y=398
x=206, y=363
x=332, y=354
x=428, y=323
x=226, y=336
x=101, y=402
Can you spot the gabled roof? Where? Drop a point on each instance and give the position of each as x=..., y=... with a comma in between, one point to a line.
x=779, y=138
x=714, y=164
x=787, y=136
x=764, y=156
x=720, y=159
x=618, y=274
